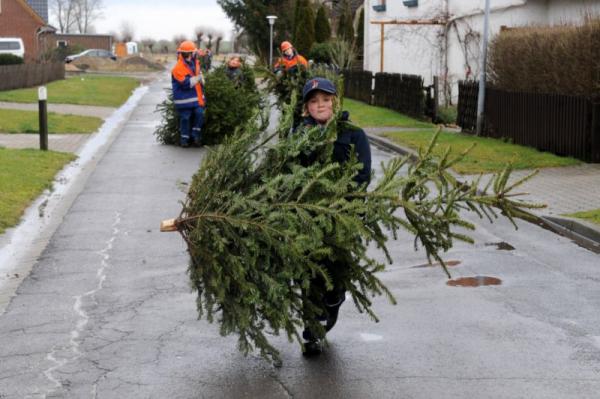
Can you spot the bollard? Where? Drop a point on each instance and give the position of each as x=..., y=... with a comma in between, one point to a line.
x=43, y=113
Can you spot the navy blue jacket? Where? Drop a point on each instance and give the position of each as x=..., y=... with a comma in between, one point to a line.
x=350, y=136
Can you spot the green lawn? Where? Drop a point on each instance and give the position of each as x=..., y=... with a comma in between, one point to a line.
x=590, y=216
x=24, y=175
x=14, y=121
x=109, y=91
x=365, y=115
x=489, y=155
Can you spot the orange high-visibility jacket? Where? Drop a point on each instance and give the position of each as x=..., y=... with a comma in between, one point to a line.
x=185, y=96
x=287, y=64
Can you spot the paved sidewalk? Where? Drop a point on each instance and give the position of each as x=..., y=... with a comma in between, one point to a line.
x=84, y=110
x=56, y=142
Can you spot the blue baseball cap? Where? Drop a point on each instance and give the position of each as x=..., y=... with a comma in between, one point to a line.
x=321, y=84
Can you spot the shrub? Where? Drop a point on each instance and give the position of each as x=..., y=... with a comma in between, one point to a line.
x=446, y=115
x=304, y=36
x=342, y=54
x=320, y=53
x=322, y=27
x=10, y=59
x=561, y=59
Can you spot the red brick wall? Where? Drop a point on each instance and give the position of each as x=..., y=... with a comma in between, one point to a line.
x=16, y=21
x=86, y=41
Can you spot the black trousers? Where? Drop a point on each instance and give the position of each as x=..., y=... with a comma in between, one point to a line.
x=328, y=301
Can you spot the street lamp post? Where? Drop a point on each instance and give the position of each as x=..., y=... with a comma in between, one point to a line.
x=482, y=76
x=271, y=19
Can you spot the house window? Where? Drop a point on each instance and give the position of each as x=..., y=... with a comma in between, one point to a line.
x=379, y=7
x=61, y=43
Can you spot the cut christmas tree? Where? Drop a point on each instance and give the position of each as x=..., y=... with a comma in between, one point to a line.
x=259, y=226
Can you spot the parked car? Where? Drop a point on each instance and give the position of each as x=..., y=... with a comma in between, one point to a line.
x=12, y=45
x=91, y=53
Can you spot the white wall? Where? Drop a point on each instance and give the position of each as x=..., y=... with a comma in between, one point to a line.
x=560, y=11
x=417, y=49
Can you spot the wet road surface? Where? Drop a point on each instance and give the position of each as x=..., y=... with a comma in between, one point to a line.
x=107, y=311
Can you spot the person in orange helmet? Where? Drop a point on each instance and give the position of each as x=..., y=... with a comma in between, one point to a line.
x=290, y=60
x=188, y=94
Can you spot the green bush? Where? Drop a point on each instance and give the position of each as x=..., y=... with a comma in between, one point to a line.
x=228, y=106
x=320, y=53
x=322, y=26
x=10, y=59
x=304, y=36
x=446, y=115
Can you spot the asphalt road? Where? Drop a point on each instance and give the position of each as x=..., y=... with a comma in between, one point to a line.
x=107, y=312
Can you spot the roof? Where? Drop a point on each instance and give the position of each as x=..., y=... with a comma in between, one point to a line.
x=31, y=11
x=83, y=34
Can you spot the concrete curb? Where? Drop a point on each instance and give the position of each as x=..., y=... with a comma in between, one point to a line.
x=584, y=234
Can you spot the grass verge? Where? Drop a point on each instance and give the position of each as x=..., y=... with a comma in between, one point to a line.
x=365, y=115
x=24, y=175
x=16, y=121
x=592, y=216
x=107, y=91
x=488, y=155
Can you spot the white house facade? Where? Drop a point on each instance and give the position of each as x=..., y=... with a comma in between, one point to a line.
x=443, y=37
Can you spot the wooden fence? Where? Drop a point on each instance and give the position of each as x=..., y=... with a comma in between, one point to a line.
x=29, y=75
x=563, y=125
x=358, y=85
x=399, y=92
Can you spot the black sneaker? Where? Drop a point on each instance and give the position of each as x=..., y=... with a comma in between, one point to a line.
x=312, y=348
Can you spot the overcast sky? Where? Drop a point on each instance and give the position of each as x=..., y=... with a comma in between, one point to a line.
x=162, y=19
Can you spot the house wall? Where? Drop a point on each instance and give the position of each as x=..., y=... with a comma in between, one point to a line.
x=421, y=49
x=15, y=21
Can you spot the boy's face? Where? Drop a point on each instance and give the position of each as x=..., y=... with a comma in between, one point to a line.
x=320, y=106
x=289, y=52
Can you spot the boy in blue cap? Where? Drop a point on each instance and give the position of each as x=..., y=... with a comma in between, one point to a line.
x=319, y=102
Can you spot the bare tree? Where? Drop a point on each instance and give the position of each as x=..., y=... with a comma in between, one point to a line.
x=127, y=31
x=177, y=39
x=210, y=36
x=86, y=12
x=149, y=43
x=218, y=42
x=199, y=31
x=164, y=46
x=63, y=10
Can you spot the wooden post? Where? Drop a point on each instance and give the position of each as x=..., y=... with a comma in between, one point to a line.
x=406, y=22
x=382, y=45
x=436, y=96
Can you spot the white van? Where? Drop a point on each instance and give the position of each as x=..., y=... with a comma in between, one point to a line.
x=12, y=45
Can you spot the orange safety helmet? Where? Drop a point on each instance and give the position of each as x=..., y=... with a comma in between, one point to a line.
x=187, y=46
x=285, y=45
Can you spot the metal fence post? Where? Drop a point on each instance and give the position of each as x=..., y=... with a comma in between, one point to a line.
x=43, y=114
